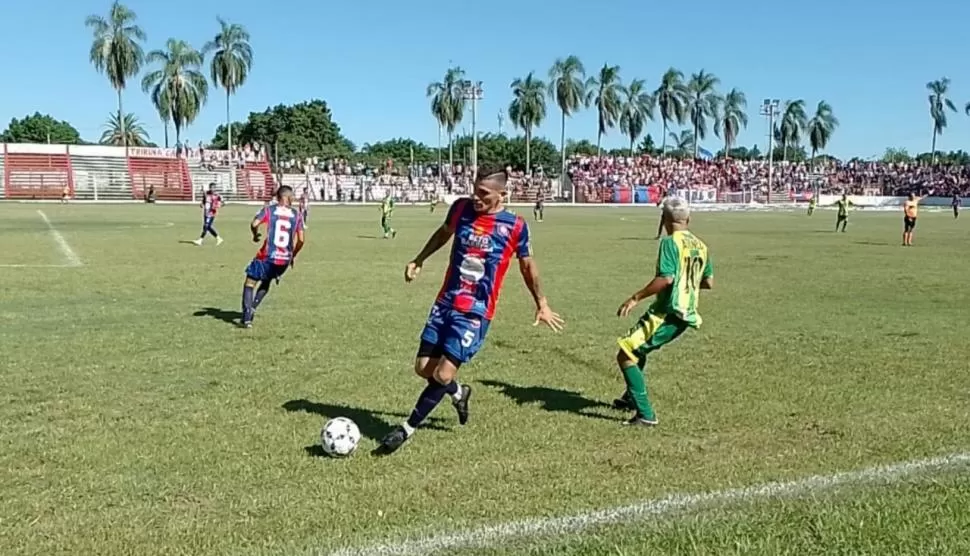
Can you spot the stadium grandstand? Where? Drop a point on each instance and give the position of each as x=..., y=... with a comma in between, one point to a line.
x=105, y=173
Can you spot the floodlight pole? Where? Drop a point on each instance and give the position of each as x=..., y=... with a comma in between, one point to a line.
x=472, y=90
x=769, y=108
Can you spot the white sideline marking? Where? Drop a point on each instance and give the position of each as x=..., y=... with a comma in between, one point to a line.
x=497, y=534
x=36, y=265
x=69, y=254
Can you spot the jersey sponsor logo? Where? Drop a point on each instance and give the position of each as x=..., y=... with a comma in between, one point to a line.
x=472, y=268
x=478, y=241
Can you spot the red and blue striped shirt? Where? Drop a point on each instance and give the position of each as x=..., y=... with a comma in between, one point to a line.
x=282, y=225
x=481, y=252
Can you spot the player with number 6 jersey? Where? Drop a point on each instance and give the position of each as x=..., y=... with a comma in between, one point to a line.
x=683, y=269
x=284, y=240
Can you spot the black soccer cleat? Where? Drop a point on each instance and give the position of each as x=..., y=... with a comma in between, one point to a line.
x=390, y=444
x=640, y=421
x=623, y=403
x=461, y=406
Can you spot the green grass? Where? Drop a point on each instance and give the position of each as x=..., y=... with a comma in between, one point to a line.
x=134, y=426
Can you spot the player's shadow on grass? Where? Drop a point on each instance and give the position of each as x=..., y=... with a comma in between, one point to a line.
x=231, y=317
x=372, y=424
x=550, y=399
x=368, y=237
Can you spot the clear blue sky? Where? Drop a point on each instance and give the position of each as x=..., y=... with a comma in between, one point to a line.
x=371, y=61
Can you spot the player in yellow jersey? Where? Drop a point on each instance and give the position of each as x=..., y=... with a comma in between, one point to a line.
x=811, y=205
x=910, y=212
x=683, y=269
x=843, y=218
x=387, y=209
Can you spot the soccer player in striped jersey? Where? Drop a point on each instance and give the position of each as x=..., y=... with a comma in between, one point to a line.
x=211, y=203
x=284, y=240
x=486, y=237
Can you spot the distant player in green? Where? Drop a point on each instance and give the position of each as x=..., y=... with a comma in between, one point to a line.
x=811, y=205
x=434, y=202
x=387, y=209
x=843, y=218
x=683, y=269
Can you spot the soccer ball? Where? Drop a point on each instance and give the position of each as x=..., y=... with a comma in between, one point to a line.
x=339, y=437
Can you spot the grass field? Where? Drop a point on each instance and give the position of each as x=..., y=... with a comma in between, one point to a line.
x=137, y=420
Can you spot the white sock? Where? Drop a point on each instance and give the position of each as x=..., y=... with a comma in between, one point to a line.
x=457, y=395
x=408, y=429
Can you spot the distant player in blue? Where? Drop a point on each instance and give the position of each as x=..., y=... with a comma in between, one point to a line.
x=486, y=237
x=955, y=203
x=211, y=203
x=284, y=239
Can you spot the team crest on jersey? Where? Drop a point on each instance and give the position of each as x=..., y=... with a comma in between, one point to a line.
x=504, y=230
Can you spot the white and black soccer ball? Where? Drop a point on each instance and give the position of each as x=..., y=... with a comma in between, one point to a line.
x=339, y=437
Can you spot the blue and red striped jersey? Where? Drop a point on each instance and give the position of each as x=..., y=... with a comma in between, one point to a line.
x=282, y=225
x=211, y=204
x=481, y=253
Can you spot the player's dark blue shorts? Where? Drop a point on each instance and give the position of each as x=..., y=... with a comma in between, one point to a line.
x=455, y=335
x=207, y=222
x=264, y=270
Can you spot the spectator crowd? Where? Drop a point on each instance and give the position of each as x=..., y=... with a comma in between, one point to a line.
x=595, y=177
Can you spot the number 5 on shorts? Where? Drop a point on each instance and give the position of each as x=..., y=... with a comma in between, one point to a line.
x=468, y=339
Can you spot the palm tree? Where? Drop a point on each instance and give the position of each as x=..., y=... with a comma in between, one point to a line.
x=671, y=97
x=180, y=77
x=638, y=106
x=685, y=141
x=163, y=105
x=116, y=50
x=731, y=117
x=939, y=104
x=436, y=91
x=231, y=62
x=792, y=126
x=527, y=110
x=702, y=102
x=124, y=131
x=567, y=87
x=821, y=127
x=455, y=107
x=603, y=91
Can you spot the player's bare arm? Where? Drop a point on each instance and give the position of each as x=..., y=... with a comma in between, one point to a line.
x=530, y=275
x=438, y=239
x=298, y=244
x=254, y=228
x=657, y=285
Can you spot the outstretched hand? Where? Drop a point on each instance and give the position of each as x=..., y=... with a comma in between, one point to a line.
x=627, y=306
x=256, y=237
x=411, y=271
x=546, y=316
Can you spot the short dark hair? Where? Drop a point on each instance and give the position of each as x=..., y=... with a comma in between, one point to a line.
x=492, y=173
x=283, y=191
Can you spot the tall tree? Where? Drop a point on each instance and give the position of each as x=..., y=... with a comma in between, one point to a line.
x=438, y=93
x=40, y=128
x=163, y=105
x=939, y=105
x=731, y=118
x=128, y=131
x=455, y=107
x=527, y=110
x=671, y=98
x=567, y=87
x=116, y=49
x=702, y=102
x=603, y=91
x=180, y=76
x=790, y=130
x=232, y=59
x=821, y=127
x=684, y=143
x=637, y=109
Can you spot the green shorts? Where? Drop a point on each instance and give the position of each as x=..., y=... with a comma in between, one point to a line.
x=385, y=222
x=652, y=332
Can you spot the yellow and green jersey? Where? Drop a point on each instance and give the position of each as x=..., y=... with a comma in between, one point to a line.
x=685, y=258
x=844, y=205
x=387, y=207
